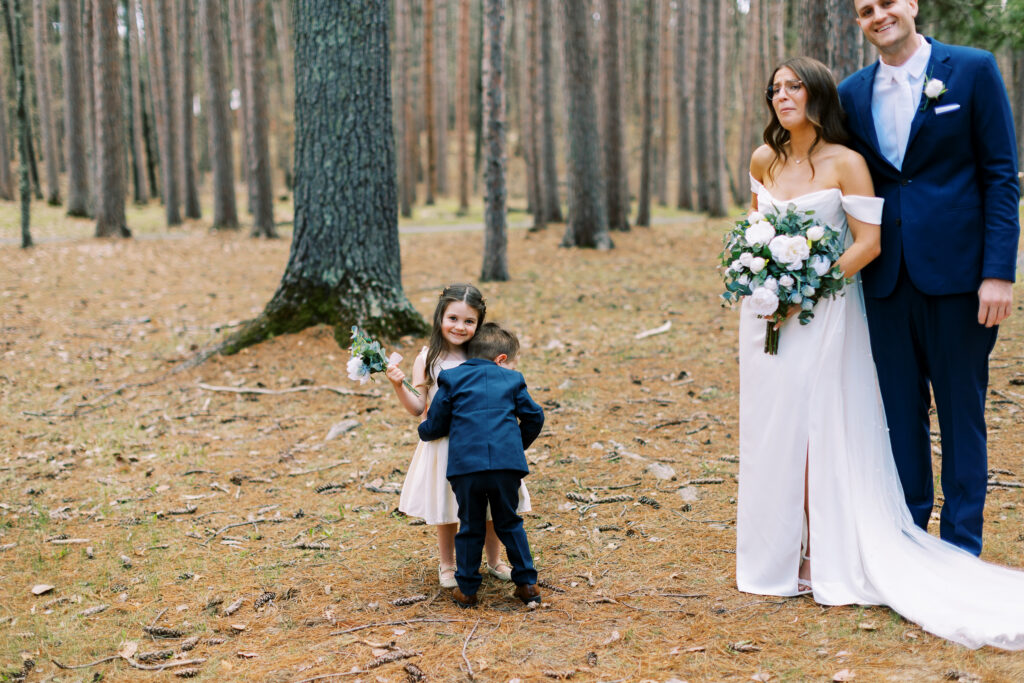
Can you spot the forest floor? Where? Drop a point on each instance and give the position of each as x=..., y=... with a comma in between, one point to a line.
x=247, y=507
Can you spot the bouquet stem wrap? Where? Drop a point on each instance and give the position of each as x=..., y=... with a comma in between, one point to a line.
x=771, y=338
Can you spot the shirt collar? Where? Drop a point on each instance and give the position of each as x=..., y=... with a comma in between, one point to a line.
x=913, y=67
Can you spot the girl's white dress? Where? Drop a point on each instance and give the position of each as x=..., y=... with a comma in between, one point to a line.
x=818, y=402
x=426, y=492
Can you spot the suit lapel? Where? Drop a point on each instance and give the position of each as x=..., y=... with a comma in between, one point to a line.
x=864, y=94
x=938, y=67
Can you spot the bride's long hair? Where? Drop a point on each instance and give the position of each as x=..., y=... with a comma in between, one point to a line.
x=824, y=111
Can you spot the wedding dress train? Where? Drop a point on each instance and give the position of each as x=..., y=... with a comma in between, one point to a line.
x=817, y=402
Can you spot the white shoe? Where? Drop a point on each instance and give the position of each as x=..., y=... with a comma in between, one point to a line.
x=446, y=576
x=502, y=571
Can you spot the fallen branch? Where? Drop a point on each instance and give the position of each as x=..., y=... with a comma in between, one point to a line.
x=290, y=390
x=469, y=666
x=70, y=667
x=131, y=663
x=400, y=622
x=238, y=524
x=320, y=469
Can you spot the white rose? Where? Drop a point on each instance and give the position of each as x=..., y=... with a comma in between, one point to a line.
x=820, y=264
x=755, y=217
x=815, y=233
x=757, y=265
x=789, y=251
x=746, y=258
x=771, y=283
x=787, y=280
x=735, y=266
x=760, y=233
x=357, y=370
x=807, y=290
x=743, y=279
x=763, y=301
x=933, y=88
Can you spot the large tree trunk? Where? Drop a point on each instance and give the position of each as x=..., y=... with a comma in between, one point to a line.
x=236, y=19
x=138, y=146
x=777, y=13
x=441, y=96
x=717, y=198
x=41, y=24
x=429, y=27
x=110, y=157
x=752, y=106
x=225, y=211
x=533, y=107
x=400, y=84
x=189, y=182
x=612, y=137
x=15, y=32
x=344, y=268
x=6, y=181
x=814, y=36
x=588, y=219
x=643, y=211
x=168, y=140
x=462, y=104
x=259, y=140
x=549, y=169
x=156, y=96
x=75, y=119
x=89, y=77
x=846, y=40
x=664, y=103
x=703, y=110
x=285, y=118
x=410, y=128
x=495, y=266
x=1018, y=104
x=683, y=68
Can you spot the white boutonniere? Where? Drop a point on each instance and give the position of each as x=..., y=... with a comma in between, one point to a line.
x=933, y=90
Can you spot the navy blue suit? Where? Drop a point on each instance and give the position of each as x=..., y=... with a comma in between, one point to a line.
x=949, y=221
x=490, y=420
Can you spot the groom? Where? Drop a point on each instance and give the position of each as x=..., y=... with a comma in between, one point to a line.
x=934, y=123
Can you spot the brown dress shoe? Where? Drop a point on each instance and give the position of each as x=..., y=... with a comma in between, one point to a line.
x=528, y=592
x=463, y=600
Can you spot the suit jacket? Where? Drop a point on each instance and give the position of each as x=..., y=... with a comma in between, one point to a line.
x=488, y=416
x=951, y=212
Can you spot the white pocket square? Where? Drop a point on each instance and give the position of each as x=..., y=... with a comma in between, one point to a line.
x=946, y=108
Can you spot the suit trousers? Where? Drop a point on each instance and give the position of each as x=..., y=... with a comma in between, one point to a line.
x=919, y=342
x=499, y=488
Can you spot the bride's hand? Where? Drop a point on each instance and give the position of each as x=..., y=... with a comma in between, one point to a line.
x=790, y=312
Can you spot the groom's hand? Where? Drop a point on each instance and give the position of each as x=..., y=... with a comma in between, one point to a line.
x=995, y=300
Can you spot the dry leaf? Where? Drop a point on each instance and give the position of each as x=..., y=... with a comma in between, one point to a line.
x=379, y=651
x=247, y=655
x=239, y=627
x=761, y=676
x=612, y=638
x=128, y=649
x=744, y=646
x=41, y=588
x=867, y=626
x=844, y=675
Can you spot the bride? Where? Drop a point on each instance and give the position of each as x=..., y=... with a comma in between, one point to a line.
x=820, y=508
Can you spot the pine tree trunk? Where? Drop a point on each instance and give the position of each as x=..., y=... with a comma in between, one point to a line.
x=166, y=119
x=683, y=68
x=6, y=181
x=156, y=96
x=717, y=198
x=703, y=110
x=41, y=25
x=752, y=104
x=236, y=19
x=549, y=168
x=846, y=40
x=1018, y=104
x=400, y=77
x=74, y=110
x=664, y=103
x=138, y=147
x=259, y=139
x=519, y=95
x=344, y=268
x=441, y=96
x=778, y=28
x=89, y=78
x=643, y=215
x=286, y=118
x=814, y=38
x=495, y=266
x=429, y=27
x=533, y=108
x=612, y=135
x=15, y=33
x=588, y=219
x=409, y=126
x=110, y=156
x=462, y=104
x=190, y=185
x=225, y=211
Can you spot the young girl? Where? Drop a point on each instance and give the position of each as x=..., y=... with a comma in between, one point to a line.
x=426, y=492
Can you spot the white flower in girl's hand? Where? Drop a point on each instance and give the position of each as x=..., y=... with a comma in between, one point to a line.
x=357, y=370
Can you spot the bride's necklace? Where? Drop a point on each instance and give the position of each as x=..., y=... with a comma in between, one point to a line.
x=800, y=161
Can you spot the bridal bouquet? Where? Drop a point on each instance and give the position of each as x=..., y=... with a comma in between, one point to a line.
x=369, y=357
x=779, y=261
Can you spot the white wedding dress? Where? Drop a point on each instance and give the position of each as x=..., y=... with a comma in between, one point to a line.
x=818, y=402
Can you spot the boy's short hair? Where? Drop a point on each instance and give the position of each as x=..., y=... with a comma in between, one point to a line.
x=491, y=340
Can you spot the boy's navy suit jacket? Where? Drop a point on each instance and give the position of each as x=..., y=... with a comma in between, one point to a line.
x=487, y=415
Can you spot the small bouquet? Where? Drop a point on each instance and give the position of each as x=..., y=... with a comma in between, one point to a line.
x=779, y=261
x=369, y=357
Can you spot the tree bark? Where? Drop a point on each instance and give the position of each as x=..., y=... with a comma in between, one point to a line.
x=189, y=182
x=441, y=96
x=533, y=109
x=89, y=77
x=752, y=104
x=846, y=40
x=683, y=75
x=75, y=130
x=495, y=266
x=165, y=61
x=6, y=181
x=549, y=169
x=344, y=268
x=717, y=200
x=1018, y=103
x=462, y=104
x=814, y=36
x=225, y=211
x=15, y=33
x=236, y=17
x=138, y=147
x=400, y=84
x=110, y=156
x=409, y=126
x=778, y=28
x=156, y=93
x=612, y=137
x=703, y=110
x=259, y=142
x=643, y=215
x=286, y=118
x=664, y=103
x=588, y=219
x=429, y=26
x=41, y=24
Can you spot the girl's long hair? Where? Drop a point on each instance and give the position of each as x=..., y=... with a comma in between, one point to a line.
x=465, y=293
x=823, y=110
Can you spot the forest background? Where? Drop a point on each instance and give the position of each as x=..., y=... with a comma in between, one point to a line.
x=137, y=499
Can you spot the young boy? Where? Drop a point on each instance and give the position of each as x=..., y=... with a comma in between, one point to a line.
x=490, y=420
